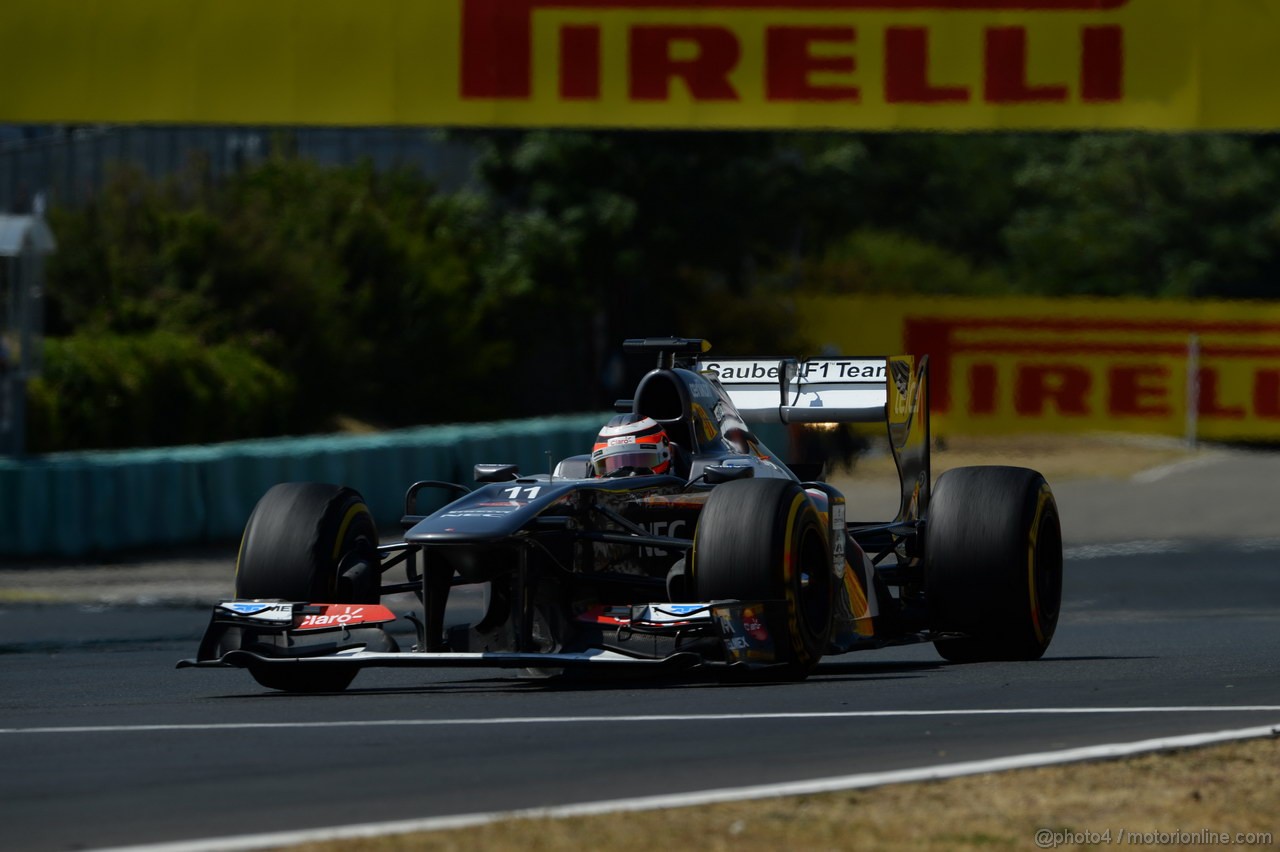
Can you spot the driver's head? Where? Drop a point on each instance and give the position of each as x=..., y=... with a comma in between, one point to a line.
x=630, y=441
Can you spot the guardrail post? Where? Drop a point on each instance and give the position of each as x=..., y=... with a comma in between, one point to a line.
x=1193, y=390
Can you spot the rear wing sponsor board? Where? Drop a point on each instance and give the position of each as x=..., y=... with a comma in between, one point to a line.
x=817, y=390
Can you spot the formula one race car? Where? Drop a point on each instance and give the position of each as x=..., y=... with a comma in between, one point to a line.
x=681, y=541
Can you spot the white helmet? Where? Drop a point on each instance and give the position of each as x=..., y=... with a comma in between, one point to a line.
x=631, y=442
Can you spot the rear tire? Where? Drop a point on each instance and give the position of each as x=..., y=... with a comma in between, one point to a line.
x=993, y=563
x=762, y=539
x=315, y=543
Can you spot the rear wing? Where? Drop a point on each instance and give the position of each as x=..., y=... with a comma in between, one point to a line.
x=818, y=390
x=841, y=390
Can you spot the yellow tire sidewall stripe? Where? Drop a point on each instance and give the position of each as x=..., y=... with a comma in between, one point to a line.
x=354, y=510
x=1033, y=595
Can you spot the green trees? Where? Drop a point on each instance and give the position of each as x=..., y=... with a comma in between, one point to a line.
x=274, y=302
x=1137, y=215
x=184, y=310
x=152, y=389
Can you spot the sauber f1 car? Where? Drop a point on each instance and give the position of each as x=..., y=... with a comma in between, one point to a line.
x=725, y=559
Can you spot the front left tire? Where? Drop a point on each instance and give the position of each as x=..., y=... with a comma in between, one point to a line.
x=760, y=540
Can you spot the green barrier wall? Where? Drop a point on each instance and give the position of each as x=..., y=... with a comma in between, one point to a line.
x=90, y=504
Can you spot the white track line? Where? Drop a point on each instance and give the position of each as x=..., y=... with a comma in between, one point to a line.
x=708, y=797
x=631, y=720
x=1155, y=474
x=1156, y=547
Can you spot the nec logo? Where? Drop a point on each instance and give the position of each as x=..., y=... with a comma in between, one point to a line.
x=816, y=62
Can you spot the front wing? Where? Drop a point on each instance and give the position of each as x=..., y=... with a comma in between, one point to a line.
x=268, y=634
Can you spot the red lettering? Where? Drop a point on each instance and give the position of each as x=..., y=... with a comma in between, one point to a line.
x=1006, y=69
x=1063, y=384
x=1266, y=393
x=497, y=42
x=932, y=337
x=982, y=389
x=706, y=75
x=1102, y=64
x=789, y=64
x=906, y=70
x=580, y=63
x=1138, y=391
x=1210, y=406
x=496, y=56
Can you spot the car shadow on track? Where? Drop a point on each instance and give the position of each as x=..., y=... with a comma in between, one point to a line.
x=825, y=674
x=875, y=670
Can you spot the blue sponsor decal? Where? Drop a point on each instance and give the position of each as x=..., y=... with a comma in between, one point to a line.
x=248, y=608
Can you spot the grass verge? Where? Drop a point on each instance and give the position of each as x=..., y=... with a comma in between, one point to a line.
x=1193, y=797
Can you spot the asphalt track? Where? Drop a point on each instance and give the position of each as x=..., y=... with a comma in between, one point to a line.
x=104, y=744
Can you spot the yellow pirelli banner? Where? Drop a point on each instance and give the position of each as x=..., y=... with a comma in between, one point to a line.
x=855, y=64
x=1002, y=366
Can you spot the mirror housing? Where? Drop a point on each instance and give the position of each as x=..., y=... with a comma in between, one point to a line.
x=718, y=473
x=497, y=472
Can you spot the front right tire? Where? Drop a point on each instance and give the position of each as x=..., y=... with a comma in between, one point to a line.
x=305, y=541
x=315, y=543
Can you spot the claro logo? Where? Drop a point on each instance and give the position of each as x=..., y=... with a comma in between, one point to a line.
x=818, y=56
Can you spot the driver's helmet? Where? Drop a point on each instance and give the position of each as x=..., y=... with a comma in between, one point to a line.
x=630, y=441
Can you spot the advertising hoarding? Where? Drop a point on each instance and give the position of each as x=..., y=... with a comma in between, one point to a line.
x=851, y=64
x=1000, y=366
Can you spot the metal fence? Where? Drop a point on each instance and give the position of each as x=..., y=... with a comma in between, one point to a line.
x=68, y=165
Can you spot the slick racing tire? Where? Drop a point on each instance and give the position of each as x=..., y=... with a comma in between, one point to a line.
x=993, y=563
x=312, y=542
x=308, y=541
x=761, y=540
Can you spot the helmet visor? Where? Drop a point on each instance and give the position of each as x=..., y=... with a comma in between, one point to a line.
x=634, y=457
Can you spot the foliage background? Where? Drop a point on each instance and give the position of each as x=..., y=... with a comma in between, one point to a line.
x=292, y=299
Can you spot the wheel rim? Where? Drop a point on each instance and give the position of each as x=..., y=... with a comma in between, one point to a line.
x=813, y=580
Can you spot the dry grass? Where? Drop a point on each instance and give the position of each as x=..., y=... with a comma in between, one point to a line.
x=1224, y=789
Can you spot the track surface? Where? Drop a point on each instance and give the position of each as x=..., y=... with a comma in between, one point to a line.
x=1195, y=625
